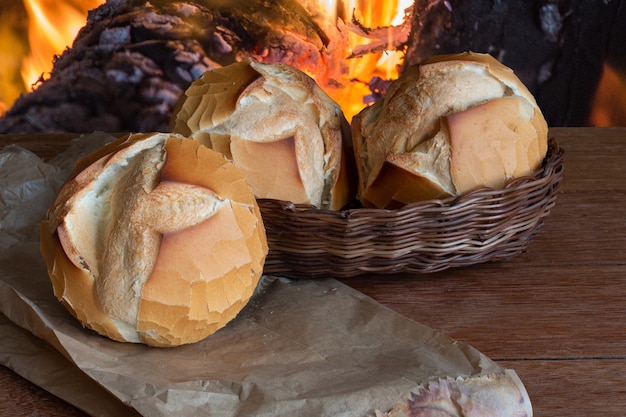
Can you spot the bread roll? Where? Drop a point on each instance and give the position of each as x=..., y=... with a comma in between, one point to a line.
x=279, y=126
x=155, y=239
x=447, y=126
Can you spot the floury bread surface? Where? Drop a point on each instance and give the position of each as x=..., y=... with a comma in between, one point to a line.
x=447, y=126
x=274, y=122
x=155, y=239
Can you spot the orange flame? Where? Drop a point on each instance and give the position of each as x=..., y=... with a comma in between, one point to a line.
x=53, y=25
x=384, y=64
x=609, y=102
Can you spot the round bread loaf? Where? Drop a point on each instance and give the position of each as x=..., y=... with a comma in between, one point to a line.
x=274, y=122
x=155, y=239
x=449, y=125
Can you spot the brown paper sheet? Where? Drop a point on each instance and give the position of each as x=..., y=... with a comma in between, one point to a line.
x=36, y=361
x=300, y=348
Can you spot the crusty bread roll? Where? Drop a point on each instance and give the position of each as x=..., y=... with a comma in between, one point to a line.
x=155, y=239
x=279, y=126
x=449, y=125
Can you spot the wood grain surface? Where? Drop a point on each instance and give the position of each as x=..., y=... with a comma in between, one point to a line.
x=554, y=314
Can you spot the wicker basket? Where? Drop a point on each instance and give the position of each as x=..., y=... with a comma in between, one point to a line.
x=429, y=236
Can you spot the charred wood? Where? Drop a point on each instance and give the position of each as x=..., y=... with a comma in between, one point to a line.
x=133, y=59
x=556, y=47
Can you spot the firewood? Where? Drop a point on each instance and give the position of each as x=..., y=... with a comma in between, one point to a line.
x=133, y=59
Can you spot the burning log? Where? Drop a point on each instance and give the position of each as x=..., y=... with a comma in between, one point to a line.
x=131, y=62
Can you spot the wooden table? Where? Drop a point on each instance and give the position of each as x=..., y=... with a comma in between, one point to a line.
x=555, y=314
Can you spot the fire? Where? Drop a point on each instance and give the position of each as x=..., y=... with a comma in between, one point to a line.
x=53, y=25
x=609, y=103
x=382, y=17
x=369, y=28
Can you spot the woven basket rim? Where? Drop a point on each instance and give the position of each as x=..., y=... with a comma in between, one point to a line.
x=552, y=160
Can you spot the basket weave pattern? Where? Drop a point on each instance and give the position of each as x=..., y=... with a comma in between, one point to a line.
x=478, y=226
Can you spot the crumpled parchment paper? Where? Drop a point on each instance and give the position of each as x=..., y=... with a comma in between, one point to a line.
x=300, y=348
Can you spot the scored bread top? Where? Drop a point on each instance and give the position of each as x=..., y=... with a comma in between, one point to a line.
x=275, y=123
x=418, y=125
x=149, y=235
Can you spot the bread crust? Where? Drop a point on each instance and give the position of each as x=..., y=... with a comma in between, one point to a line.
x=423, y=125
x=279, y=126
x=128, y=239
